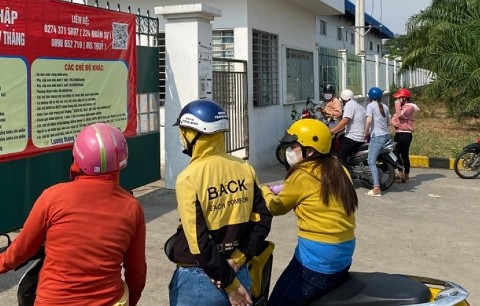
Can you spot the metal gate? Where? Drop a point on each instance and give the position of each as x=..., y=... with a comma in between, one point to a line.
x=229, y=88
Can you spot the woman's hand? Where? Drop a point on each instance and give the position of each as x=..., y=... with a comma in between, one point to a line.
x=276, y=189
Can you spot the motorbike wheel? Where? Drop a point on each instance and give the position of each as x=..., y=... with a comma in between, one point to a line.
x=280, y=154
x=467, y=165
x=386, y=174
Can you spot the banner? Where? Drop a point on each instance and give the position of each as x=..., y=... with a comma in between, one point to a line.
x=63, y=66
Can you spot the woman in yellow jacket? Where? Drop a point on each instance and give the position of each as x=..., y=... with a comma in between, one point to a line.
x=320, y=191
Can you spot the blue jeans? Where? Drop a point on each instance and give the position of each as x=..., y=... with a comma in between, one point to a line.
x=301, y=286
x=190, y=286
x=374, y=148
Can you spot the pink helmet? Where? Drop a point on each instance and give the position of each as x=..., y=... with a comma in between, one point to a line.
x=100, y=148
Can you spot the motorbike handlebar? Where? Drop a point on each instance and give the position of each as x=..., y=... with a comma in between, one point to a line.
x=9, y=241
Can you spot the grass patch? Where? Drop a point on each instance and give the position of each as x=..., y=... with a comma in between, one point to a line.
x=437, y=135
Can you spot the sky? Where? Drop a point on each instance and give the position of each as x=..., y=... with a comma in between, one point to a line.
x=394, y=13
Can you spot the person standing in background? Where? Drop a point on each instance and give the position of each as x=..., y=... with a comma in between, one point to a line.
x=402, y=121
x=378, y=134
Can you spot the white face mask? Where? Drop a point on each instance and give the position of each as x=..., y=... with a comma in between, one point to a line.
x=327, y=96
x=292, y=156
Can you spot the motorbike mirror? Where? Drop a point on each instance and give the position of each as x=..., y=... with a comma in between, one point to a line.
x=9, y=241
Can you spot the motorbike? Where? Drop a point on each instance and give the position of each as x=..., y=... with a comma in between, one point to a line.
x=364, y=288
x=308, y=112
x=357, y=164
x=467, y=163
x=359, y=288
x=27, y=286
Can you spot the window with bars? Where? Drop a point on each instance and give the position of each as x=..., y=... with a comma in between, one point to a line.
x=299, y=75
x=223, y=47
x=162, y=76
x=323, y=28
x=339, y=34
x=265, y=68
x=147, y=112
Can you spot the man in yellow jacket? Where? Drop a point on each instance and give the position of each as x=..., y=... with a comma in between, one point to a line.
x=224, y=219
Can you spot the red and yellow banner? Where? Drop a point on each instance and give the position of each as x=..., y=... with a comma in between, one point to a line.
x=63, y=66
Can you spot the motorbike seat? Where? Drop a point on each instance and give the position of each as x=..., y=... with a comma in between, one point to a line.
x=361, y=151
x=376, y=288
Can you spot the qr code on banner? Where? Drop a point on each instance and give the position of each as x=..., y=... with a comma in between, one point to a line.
x=120, y=36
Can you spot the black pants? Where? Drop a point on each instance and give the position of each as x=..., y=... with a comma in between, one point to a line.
x=347, y=148
x=402, y=149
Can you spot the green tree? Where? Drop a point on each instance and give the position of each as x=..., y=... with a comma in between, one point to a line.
x=444, y=40
x=395, y=48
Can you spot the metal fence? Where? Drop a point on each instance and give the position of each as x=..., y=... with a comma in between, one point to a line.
x=379, y=71
x=329, y=67
x=229, y=88
x=147, y=35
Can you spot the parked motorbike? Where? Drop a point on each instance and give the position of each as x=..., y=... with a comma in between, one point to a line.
x=358, y=164
x=308, y=112
x=467, y=163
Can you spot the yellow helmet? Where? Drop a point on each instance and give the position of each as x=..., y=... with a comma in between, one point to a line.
x=310, y=133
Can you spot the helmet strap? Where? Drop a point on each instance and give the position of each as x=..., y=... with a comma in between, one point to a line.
x=190, y=145
x=304, y=152
x=75, y=171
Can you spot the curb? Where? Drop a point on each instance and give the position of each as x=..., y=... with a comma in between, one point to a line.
x=431, y=162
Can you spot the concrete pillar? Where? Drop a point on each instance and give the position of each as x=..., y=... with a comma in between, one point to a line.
x=395, y=79
x=188, y=41
x=364, y=80
x=342, y=54
x=387, y=77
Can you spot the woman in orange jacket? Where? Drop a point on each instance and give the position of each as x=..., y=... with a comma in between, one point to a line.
x=90, y=227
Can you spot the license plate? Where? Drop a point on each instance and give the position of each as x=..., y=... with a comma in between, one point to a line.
x=393, y=156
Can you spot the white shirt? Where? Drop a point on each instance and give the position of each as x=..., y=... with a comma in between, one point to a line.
x=355, y=128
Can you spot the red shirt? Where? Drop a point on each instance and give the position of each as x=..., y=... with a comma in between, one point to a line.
x=90, y=227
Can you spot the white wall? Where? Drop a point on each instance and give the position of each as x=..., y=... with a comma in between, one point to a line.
x=233, y=11
x=331, y=39
x=295, y=27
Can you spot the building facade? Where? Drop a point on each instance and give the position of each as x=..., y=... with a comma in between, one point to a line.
x=292, y=49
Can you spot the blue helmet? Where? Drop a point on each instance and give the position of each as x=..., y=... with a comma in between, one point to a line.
x=375, y=93
x=204, y=116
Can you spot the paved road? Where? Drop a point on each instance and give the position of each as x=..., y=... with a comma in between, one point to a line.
x=429, y=227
